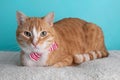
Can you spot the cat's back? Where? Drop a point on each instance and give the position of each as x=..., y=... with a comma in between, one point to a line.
x=70, y=27
x=69, y=22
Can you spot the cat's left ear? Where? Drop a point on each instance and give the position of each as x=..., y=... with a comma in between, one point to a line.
x=49, y=18
x=21, y=18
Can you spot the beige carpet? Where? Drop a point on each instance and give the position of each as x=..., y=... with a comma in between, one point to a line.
x=99, y=69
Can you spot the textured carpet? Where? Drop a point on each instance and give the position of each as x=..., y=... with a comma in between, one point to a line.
x=99, y=69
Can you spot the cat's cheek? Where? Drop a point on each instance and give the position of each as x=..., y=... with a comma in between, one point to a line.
x=43, y=48
x=26, y=50
x=44, y=45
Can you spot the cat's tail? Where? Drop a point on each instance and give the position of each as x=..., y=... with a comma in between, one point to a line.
x=79, y=58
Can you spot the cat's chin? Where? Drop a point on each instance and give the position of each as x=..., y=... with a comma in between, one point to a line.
x=34, y=51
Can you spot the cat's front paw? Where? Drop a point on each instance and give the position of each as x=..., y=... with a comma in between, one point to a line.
x=28, y=63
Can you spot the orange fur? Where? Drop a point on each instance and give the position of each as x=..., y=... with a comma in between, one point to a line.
x=78, y=41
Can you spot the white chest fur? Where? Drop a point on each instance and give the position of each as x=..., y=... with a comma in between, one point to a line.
x=27, y=61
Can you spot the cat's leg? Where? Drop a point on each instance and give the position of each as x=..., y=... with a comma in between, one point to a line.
x=25, y=61
x=80, y=58
x=65, y=62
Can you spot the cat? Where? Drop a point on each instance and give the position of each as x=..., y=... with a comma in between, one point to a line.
x=63, y=43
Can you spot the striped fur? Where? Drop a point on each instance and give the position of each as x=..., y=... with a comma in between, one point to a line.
x=80, y=58
x=76, y=40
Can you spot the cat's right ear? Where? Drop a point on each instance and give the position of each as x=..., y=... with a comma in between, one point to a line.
x=49, y=18
x=21, y=18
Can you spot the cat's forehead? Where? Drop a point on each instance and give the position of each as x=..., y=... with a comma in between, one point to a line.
x=33, y=21
x=36, y=23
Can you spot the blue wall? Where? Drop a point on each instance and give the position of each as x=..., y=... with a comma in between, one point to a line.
x=105, y=13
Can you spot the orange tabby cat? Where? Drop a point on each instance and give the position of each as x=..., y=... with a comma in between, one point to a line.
x=66, y=42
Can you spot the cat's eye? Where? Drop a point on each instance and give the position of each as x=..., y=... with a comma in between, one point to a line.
x=28, y=34
x=43, y=33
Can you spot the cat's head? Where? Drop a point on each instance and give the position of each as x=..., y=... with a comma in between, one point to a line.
x=34, y=34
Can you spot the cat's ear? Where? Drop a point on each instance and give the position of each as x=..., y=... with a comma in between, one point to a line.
x=21, y=18
x=49, y=18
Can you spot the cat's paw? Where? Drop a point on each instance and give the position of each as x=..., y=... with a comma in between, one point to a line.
x=28, y=63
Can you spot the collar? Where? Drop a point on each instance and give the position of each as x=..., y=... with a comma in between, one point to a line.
x=53, y=46
x=35, y=56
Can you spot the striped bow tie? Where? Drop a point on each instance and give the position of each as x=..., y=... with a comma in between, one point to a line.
x=53, y=47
